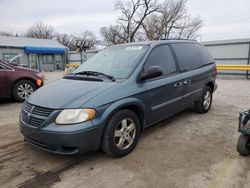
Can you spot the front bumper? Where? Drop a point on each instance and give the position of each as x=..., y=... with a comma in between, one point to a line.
x=65, y=143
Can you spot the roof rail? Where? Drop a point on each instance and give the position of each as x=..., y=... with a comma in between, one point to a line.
x=179, y=39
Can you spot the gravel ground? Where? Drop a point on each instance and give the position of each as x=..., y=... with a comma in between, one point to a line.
x=187, y=150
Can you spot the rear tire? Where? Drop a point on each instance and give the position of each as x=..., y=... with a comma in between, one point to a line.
x=204, y=103
x=121, y=134
x=242, y=145
x=22, y=90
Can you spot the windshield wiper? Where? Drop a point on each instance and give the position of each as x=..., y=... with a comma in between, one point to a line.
x=95, y=73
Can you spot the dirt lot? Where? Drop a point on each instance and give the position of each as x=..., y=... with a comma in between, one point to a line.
x=188, y=150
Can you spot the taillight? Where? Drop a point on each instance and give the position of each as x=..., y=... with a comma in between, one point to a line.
x=215, y=72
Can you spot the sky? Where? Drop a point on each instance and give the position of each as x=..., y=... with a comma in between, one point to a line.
x=223, y=19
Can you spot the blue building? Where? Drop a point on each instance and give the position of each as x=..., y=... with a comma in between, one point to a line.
x=40, y=54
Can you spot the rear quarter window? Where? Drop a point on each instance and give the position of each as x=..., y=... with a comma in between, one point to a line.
x=188, y=56
x=206, y=57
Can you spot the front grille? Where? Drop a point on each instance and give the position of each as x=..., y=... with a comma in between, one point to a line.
x=27, y=107
x=42, y=111
x=244, y=120
x=34, y=115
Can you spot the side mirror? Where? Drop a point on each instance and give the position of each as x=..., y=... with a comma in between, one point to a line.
x=151, y=72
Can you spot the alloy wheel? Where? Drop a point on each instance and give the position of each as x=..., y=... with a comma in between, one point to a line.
x=24, y=90
x=125, y=133
x=207, y=100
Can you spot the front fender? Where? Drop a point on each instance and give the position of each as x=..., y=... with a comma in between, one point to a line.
x=123, y=103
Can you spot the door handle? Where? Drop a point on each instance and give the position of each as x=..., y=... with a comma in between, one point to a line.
x=179, y=84
x=186, y=82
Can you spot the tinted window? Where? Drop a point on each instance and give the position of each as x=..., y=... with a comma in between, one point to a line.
x=2, y=67
x=188, y=56
x=205, y=55
x=161, y=56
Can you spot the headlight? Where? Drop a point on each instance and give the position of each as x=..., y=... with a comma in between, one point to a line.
x=72, y=116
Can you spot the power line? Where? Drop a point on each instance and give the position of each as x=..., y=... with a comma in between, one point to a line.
x=227, y=22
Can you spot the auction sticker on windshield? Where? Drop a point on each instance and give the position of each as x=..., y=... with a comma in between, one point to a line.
x=134, y=48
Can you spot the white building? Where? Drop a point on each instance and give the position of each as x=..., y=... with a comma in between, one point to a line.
x=227, y=52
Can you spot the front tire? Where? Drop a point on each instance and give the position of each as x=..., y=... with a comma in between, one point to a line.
x=121, y=133
x=204, y=103
x=22, y=90
x=242, y=145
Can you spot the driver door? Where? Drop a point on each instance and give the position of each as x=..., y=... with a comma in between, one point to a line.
x=3, y=81
x=164, y=93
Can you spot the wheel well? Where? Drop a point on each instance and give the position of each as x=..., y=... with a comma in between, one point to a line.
x=211, y=85
x=138, y=111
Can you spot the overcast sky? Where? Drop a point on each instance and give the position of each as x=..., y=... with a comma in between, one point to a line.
x=223, y=19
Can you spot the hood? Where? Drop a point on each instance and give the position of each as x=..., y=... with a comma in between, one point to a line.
x=67, y=93
x=21, y=68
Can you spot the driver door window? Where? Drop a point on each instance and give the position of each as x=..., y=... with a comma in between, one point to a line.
x=161, y=56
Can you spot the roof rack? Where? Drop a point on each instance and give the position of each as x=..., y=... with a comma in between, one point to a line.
x=179, y=39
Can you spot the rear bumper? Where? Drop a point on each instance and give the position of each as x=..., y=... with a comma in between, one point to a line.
x=63, y=143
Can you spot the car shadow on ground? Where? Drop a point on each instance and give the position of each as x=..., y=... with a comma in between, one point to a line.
x=7, y=101
x=166, y=122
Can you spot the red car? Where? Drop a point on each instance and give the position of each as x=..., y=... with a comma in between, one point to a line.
x=18, y=82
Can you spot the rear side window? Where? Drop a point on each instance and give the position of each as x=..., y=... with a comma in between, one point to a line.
x=188, y=56
x=161, y=56
x=205, y=55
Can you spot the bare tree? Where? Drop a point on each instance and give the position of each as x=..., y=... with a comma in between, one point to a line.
x=88, y=36
x=153, y=27
x=112, y=35
x=132, y=16
x=151, y=20
x=5, y=33
x=44, y=31
x=69, y=40
x=188, y=28
x=171, y=20
x=64, y=39
x=40, y=30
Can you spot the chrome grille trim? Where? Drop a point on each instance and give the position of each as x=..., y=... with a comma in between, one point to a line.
x=34, y=115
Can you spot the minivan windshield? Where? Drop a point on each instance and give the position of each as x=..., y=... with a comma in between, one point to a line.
x=116, y=61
